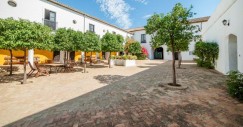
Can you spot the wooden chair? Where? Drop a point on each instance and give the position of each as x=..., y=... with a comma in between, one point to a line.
x=32, y=69
x=40, y=71
x=69, y=66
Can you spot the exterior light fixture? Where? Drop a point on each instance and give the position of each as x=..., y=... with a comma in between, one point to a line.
x=226, y=22
x=12, y=3
x=74, y=21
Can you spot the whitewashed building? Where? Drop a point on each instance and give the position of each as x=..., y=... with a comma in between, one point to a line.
x=56, y=15
x=226, y=28
x=161, y=52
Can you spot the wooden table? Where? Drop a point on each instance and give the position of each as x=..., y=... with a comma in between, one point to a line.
x=54, y=65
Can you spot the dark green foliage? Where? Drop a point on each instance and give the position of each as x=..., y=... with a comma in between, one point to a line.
x=120, y=38
x=64, y=40
x=235, y=84
x=23, y=35
x=141, y=56
x=207, y=53
x=134, y=48
x=112, y=43
x=124, y=57
x=78, y=41
x=91, y=42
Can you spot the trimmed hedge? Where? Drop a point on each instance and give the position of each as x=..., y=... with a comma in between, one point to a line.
x=207, y=53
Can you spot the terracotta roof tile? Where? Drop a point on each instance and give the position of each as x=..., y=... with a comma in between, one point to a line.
x=201, y=19
x=196, y=20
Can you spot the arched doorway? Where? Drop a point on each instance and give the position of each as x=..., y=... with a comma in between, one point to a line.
x=233, y=60
x=159, y=53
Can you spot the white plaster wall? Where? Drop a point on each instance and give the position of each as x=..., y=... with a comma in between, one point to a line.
x=137, y=37
x=33, y=10
x=215, y=31
x=168, y=55
x=26, y=9
x=101, y=28
x=64, y=17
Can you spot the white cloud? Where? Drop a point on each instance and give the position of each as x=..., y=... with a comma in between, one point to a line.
x=147, y=16
x=118, y=10
x=142, y=1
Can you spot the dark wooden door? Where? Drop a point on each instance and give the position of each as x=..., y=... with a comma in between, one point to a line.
x=72, y=55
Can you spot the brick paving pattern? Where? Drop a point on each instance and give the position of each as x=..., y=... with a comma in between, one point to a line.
x=138, y=101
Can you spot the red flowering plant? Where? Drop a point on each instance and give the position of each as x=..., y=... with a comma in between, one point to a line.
x=145, y=51
x=143, y=55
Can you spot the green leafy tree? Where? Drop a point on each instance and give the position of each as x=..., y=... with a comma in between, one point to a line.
x=90, y=43
x=25, y=35
x=111, y=43
x=6, y=41
x=128, y=42
x=169, y=29
x=78, y=40
x=64, y=41
x=134, y=48
x=120, y=38
x=180, y=46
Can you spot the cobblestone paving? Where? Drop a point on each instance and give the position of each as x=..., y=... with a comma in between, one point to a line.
x=138, y=101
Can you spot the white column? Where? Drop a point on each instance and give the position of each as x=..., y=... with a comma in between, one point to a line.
x=107, y=55
x=82, y=57
x=62, y=53
x=31, y=56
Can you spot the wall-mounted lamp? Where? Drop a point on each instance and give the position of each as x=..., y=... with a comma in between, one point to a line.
x=12, y=3
x=226, y=22
x=74, y=21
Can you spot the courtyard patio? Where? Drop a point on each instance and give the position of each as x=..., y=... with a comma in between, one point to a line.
x=121, y=97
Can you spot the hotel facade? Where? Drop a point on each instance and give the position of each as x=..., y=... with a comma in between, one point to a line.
x=224, y=26
x=139, y=34
x=54, y=15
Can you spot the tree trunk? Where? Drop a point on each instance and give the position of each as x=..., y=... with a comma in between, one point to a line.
x=109, y=60
x=25, y=76
x=85, y=62
x=179, y=59
x=11, y=62
x=173, y=62
x=64, y=58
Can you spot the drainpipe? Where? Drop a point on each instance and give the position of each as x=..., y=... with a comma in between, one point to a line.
x=82, y=53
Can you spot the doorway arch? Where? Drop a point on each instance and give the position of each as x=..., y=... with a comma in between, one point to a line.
x=159, y=53
x=233, y=55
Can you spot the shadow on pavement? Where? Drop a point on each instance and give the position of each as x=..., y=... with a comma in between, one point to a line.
x=137, y=101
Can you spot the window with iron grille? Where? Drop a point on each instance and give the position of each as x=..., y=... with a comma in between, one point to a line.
x=50, y=19
x=91, y=28
x=143, y=38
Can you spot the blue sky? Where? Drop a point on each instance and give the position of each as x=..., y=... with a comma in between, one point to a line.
x=134, y=13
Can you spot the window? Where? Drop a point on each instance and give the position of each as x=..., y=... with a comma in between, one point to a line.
x=50, y=19
x=143, y=38
x=91, y=28
x=113, y=32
